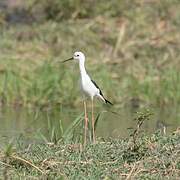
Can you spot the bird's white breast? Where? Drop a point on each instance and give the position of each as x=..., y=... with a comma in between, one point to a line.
x=88, y=87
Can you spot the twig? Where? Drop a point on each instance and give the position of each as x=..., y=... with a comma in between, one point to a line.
x=130, y=174
x=120, y=38
x=27, y=162
x=140, y=170
x=5, y=164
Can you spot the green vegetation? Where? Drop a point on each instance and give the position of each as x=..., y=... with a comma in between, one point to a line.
x=134, y=48
x=139, y=156
x=157, y=157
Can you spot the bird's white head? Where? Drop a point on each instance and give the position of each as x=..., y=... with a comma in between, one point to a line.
x=79, y=56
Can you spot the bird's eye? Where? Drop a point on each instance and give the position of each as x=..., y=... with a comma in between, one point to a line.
x=78, y=55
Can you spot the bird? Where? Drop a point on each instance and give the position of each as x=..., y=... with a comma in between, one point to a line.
x=89, y=88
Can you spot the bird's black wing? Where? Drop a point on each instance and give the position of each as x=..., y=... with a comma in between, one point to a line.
x=100, y=92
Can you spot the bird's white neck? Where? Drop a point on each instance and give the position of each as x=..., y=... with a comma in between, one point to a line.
x=82, y=68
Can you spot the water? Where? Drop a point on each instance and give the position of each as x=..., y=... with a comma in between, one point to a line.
x=32, y=122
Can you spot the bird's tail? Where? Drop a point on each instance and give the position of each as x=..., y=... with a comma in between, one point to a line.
x=108, y=102
x=104, y=99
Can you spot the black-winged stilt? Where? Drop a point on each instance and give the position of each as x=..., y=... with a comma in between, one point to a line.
x=90, y=88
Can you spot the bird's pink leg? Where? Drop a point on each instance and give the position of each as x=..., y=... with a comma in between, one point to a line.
x=85, y=123
x=93, y=129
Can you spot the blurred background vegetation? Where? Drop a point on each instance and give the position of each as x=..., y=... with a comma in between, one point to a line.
x=132, y=49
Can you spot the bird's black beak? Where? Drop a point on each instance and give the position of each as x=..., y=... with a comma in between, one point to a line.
x=70, y=59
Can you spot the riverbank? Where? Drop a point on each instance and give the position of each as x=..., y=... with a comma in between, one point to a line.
x=154, y=156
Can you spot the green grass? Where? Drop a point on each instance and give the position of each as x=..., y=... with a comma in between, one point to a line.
x=138, y=156
x=157, y=156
